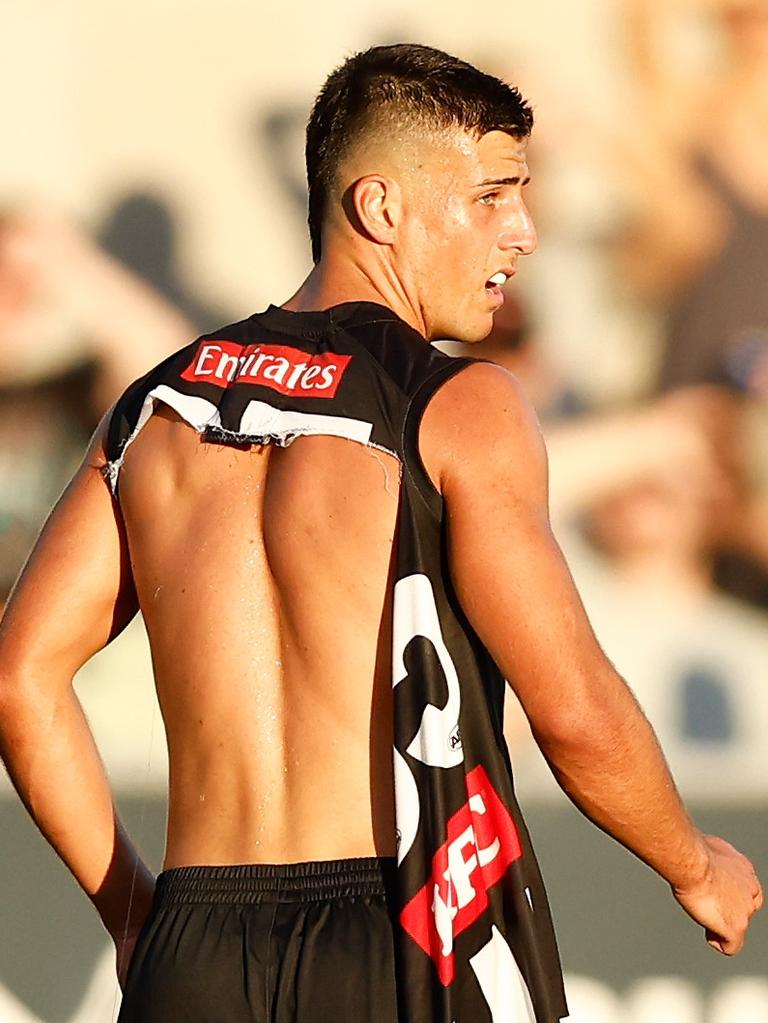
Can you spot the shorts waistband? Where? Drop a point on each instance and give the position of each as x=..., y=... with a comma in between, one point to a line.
x=314, y=881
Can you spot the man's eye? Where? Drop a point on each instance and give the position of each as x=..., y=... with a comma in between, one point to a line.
x=489, y=199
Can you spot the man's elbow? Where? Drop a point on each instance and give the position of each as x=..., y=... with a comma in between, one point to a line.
x=15, y=692
x=589, y=724
x=25, y=689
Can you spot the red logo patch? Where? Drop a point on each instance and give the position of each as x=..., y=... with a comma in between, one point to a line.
x=481, y=842
x=283, y=369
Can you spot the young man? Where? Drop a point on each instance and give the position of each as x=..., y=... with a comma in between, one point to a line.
x=335, y=535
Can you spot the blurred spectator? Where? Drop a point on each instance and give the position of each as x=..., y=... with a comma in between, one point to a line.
x=140, y=233
x=513, y=344
x=698, y=238
x=689, y=438
x=660, y=488
x=692, y=655
x=75, y=329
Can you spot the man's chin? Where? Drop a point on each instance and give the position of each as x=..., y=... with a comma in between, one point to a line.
x=472, y=335
x=466, y=330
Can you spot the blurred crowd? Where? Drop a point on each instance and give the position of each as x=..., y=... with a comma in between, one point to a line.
x=660, y=499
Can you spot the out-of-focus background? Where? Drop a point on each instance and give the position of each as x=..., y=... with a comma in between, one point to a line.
x=151, y=187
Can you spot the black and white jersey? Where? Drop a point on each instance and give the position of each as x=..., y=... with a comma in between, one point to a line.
x=475, y=942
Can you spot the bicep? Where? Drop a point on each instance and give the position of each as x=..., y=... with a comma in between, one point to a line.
x=76, y=591
x=517, y=592
x=507, y=569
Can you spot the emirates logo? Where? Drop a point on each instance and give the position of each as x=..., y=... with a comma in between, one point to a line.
x=282, y=369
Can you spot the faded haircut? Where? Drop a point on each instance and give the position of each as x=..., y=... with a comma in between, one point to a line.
x=397, y=86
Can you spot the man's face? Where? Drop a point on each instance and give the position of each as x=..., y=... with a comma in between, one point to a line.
x=465, y=223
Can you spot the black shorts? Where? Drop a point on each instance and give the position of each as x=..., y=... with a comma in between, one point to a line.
x=289, y=943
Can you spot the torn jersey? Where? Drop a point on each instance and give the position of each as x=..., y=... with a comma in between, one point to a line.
x=474, y=936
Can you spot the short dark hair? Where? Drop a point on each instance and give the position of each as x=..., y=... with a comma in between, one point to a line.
x=405, y=82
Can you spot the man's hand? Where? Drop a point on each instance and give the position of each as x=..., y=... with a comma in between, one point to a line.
x=725, y=898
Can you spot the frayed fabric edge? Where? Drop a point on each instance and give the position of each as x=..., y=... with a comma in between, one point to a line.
x=204, y=417
x=218, y=435
x=199, y=413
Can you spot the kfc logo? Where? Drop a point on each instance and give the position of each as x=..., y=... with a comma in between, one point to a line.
x=481, y=842
x=283, y=369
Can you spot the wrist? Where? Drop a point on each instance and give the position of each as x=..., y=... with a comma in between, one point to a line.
x=125, y=896
x=694, y=869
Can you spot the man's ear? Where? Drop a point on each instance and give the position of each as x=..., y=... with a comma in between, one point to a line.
x=376, y=207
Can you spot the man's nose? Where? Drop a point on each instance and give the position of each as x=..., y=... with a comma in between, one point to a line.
x=519, y=235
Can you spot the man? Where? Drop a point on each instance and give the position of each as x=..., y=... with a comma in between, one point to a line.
x=325, y=523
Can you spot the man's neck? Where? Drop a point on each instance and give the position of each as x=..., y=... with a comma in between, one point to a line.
x=330, y=284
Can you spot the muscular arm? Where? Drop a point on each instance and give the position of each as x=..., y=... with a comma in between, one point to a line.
x=481, y=445
x=74, y=595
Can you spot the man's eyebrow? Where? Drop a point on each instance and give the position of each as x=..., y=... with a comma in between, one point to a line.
x=503, y=181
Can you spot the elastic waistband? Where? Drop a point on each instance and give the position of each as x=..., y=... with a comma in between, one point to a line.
x=276, y=882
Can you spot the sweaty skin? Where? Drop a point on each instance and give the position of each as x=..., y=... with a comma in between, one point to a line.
x=262, y=577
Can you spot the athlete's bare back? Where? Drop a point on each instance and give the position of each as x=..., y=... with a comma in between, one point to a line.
x=262, y=573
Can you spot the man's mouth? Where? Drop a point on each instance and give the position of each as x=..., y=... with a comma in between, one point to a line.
x=494, y=285
x=498, y=280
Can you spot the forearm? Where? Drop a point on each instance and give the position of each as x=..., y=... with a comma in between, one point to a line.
x=612, y=768
x=651, y=30
x=129, y=325
x=119, y=307
x=53, y=762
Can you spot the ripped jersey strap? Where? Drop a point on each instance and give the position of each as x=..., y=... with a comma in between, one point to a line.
x=260, y=423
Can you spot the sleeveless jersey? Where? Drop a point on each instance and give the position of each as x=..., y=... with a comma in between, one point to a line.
x=473, y=931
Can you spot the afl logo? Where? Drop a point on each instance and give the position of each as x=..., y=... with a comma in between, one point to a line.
x=454, y=739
